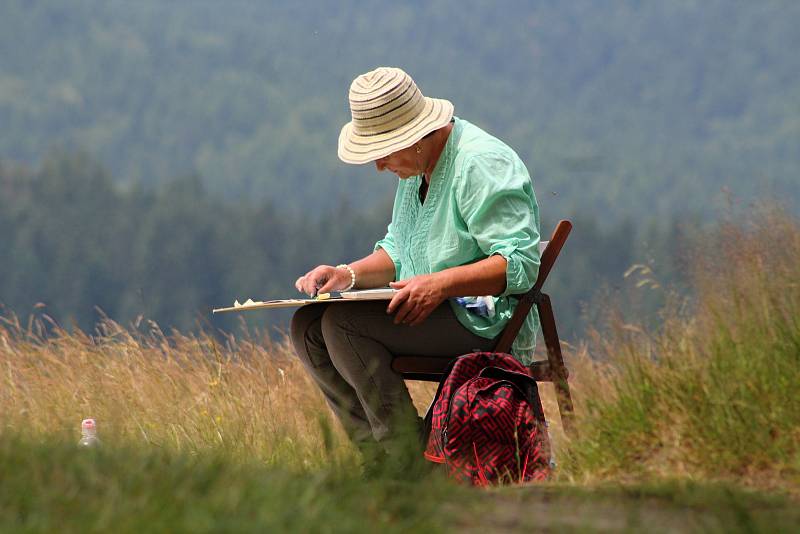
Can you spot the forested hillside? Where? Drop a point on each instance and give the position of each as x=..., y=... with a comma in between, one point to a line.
x=73, y=240
x=623, y=109
x=161, y=158
x=75, y=244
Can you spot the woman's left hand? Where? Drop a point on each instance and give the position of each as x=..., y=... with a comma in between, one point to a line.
x=416, y=298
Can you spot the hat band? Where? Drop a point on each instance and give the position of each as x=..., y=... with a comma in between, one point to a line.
x=371, y=125
x=384, y=132
x=365, y=113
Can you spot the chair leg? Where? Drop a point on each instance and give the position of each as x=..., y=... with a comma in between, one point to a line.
x=556, y=360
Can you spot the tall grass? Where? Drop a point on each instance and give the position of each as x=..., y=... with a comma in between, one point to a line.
x=246, y=397
x=715, y=393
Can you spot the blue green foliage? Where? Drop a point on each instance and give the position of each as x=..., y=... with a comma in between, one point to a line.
x=624, y=109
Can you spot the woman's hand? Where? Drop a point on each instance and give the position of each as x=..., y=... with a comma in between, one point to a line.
x=323, y=279
x=416, y=298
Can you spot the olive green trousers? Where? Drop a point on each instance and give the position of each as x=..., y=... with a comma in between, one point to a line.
x=348, y=348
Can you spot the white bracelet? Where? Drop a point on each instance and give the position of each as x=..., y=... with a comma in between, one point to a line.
x=352, y=276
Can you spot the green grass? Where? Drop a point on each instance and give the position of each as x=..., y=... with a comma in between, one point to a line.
x=716, y=393
x=54, y=486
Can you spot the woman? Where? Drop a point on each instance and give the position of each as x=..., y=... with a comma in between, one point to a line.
x=465, y=222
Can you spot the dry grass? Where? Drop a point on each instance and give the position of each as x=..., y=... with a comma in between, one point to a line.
x=712, y=395
x=247, y=396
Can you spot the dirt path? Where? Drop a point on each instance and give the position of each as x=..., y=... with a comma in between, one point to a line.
x=554, y=509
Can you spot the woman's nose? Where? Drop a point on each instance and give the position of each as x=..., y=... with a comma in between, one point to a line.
x=380, y=164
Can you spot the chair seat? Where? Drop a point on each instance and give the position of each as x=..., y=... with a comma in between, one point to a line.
x=431, y=368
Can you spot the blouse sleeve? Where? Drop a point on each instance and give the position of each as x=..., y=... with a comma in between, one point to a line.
x=497, y=203
x=388, y=244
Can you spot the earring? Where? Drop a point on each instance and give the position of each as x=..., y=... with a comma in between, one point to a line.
x=419, y=149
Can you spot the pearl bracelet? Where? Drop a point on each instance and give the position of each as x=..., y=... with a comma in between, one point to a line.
x=352, y=275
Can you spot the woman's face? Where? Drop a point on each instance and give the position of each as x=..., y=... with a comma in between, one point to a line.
x=404, y=163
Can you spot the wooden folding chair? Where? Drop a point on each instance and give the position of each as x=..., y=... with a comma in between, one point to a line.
x=431, y=368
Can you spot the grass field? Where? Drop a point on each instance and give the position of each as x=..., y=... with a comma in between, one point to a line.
x=52, y=487
x=695, y=427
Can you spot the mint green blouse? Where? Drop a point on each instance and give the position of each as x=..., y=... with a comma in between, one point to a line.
x=480, y=202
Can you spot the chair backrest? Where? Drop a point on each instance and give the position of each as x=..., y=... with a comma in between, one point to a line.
x=549, y=254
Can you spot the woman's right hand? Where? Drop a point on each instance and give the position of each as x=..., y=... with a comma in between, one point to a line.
x=323, y=279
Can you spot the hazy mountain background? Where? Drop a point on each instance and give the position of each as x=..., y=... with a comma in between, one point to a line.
x=160, y=158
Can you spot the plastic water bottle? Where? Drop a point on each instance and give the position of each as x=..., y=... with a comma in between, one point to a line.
x=89, y=433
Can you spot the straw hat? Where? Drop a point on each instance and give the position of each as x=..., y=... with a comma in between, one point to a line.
x=389, y=114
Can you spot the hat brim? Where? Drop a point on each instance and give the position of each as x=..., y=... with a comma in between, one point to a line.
x=358, y=149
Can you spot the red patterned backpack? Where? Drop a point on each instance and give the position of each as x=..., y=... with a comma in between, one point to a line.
x=486, y=422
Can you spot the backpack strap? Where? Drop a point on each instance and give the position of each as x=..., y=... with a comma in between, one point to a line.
x=427, y=421
x=524, y=383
